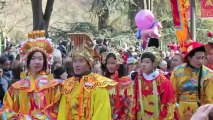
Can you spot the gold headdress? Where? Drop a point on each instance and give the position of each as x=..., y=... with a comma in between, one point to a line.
x=36, y=42
x=157, y=53
x=83, y=46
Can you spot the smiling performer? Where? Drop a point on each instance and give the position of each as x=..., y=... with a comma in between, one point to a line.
x=84, y=96
x=121, y=95
x=192, y=81
x=154, y=94
x=33, y=95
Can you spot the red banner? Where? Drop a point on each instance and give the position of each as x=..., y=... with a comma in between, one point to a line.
x=179, y=13
x=206, y=8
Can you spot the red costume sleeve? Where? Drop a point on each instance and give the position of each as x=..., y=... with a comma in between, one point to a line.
x=167, y=96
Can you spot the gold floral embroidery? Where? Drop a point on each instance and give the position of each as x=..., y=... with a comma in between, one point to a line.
x=91, y=82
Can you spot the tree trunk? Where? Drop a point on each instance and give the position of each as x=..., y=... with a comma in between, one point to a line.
x=148, y=5
x=41, y=20
x=133, y=9
x=151, y=5
x=144, y=4
x=102, y=19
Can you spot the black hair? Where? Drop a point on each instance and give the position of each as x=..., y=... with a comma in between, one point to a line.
x=68, y=65
x=169, y=62
x=199, y=49
x=121, y=67
x=3, y=59
x=99, y=41
x=29, y=57
x=64, y=43
x=148, y=55
x=18, y=57
x=1, y=67
x=109, y=56
x=102, y=49
x=16, y=68
x=153, y=42
x=58, y=72
x=105, y=41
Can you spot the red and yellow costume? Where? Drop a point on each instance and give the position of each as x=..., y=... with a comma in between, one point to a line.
x=121, y=98
x=86, y=97
x=154, y=98
x=30, y=98
x=153, y=93
x=210, y=66
x=33, y=98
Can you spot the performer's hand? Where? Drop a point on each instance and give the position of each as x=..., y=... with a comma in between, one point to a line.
x=203, y=112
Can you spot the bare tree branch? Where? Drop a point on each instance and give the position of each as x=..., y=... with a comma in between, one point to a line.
x=15, y=23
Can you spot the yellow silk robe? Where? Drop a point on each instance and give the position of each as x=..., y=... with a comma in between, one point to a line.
x=86, y=98
x=185, y=83
x=30, y=98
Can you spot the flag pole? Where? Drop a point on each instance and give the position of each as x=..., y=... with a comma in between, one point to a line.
x=192, y=19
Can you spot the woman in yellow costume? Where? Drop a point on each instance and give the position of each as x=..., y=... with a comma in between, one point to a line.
x=122, y=95
x=34, y=96
x=84, y=96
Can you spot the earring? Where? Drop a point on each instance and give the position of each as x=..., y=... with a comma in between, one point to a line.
x=50, y=75
x=23, y=73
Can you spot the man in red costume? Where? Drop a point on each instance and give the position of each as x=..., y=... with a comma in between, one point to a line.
x=153, y=92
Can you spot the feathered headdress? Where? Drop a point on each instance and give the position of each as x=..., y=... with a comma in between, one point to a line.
x=83, y=46
x=36, y=42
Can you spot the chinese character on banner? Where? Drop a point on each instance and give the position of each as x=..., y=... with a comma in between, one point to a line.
x=206, y=8
x=187, y=6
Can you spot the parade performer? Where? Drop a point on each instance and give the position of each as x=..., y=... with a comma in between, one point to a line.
x=209, y=51
x=84, y=96
x=34, y=96
x=153, y=92
x=120, y=96
x=192, y=81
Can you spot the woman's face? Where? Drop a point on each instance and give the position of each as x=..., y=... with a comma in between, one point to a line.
x=111, y=64
x=36, y=62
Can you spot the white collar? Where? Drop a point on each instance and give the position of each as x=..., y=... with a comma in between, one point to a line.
x=151, y=76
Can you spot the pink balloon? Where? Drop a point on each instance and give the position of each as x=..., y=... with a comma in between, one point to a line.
x=144, y=19
x=151, y=33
